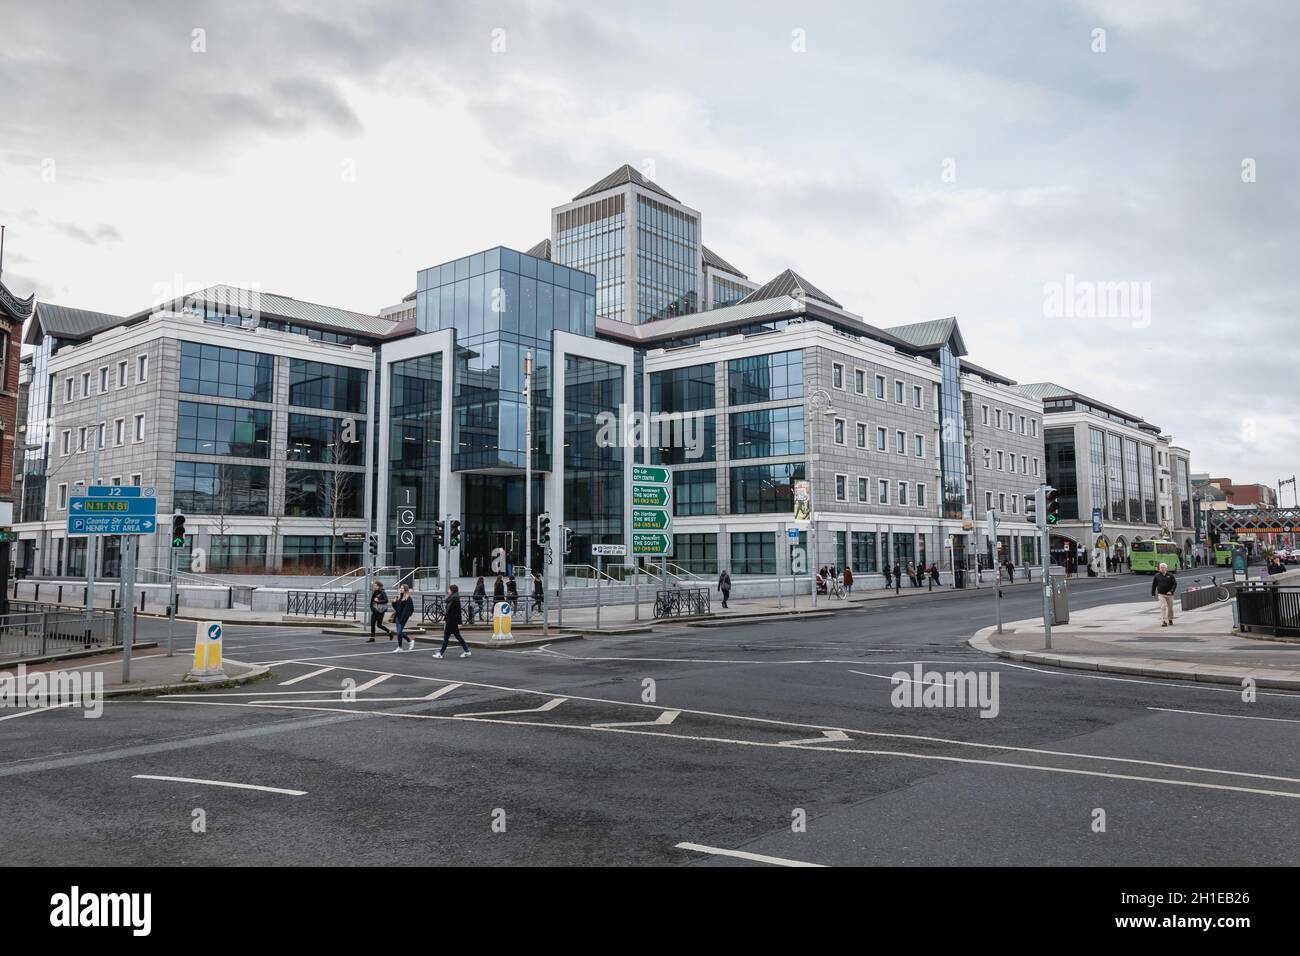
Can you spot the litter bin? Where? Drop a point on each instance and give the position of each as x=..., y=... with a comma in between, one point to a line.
x=1060, y=597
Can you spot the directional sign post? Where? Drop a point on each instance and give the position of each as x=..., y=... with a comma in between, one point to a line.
x=127, y=514
x=652, y=511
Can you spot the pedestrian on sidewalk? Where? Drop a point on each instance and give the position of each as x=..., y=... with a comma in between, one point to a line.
x=499, y=590
x=724, y=586
x=1011, y=571
x=848, y=580
x=911, y=575
x=451, y=624
x=539, y=591
x=480, y=596
x=378, y=608
x=898, y=578
x=512, y=590
x=889, y=578
x=934, y=575
x=1163, y=586
x=403, y=608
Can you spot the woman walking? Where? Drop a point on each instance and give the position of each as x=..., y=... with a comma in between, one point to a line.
x=480, y=595
x=724, y=586
x=378, y=608
x=403, y=608
x=451, y=624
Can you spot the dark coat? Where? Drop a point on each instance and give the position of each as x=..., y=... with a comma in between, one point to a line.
x=480, y=593
x=1163, y=584
x=378, y=600
x=403, y=608
x=512, y=590
x=453, y=614
x=724, y=582
x=498, y=590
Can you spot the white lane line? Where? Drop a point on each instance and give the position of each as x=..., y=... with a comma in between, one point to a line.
x=663, y=720
x=303, y=677
x=826, y=737
x=371, y=683
x=41, y=710
x=220, y=783
x=1202, y=713
x=742, y=855
x=434, y=695
x=895, y=680
x=1175, y=684
x=549, y=705
x=973, y=761
x=851, y=730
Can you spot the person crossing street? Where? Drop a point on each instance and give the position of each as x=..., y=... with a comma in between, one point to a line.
x=451, y=624
x=403, y=608
x=378, y=608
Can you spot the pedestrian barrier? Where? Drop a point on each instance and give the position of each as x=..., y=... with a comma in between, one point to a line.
x=433, y=609
x=29, y=630
x=1269, y=608
x=681, y=602
x=1196, y=597
x=321, y=603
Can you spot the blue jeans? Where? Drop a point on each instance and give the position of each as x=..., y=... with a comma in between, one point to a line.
x=400, y=626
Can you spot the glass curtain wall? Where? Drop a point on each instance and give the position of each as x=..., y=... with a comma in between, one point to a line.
x=415, y=450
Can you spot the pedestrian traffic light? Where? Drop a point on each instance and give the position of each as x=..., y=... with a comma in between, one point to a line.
x=374, y=544
x=438, y=536
x=568, y=540
x=1053, y=507
x=544, y=528
x=178, y=531
x=1031, y=509
x=455, y=533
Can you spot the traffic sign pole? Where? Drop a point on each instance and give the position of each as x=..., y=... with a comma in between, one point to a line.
x=171, y=606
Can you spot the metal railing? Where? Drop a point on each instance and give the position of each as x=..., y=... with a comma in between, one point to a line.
x=1198, y=595
x=333, y=604
x=31, y=630
x=433, y=608
x=681, y=602
x=1272, y=608
x=585, y=575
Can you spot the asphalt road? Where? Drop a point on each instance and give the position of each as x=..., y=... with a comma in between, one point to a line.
x=775, y=740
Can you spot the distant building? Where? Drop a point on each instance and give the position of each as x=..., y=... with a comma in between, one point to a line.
x=1256, y=495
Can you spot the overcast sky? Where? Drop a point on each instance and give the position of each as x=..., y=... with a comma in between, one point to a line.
x=914, y=160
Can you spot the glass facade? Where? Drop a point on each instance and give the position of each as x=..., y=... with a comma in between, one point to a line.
x=690, y=439
x=1146, y=460
x=753, y=552
x=668, y=261
x=316, y=438
x=415, y=448
x=1062, y=470
x=1132, y=483
x=592, y=238
x=1115, y=478
x=218, y=488
x=864, y=551
x=765, y=489
x=333, y=387
x=697, y=553
x=952, y=435
x=593, y=475
x=323, y=493
x=1097, y=463
x=1182, y=493
x=203, y=429
x=688, y=389
x=767, y=433
x=726, y=292
x=695, y=492
x=238, y=553
x=765, y=378
x=226, y=373
x=40, y=402
x=314, y=554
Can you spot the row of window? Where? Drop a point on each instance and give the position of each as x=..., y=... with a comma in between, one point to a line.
x=99, y=433
x=882, y=438
x=996, y=419
x=1007, y=461
x=902, y=394
x=203, y=429
x=769, y=489
x=105, y=380
x=901, y=496
x=222, y=372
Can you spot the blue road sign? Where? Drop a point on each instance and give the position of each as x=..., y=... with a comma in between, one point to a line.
x=113, y=491
x=87, y=506
x=111, y=524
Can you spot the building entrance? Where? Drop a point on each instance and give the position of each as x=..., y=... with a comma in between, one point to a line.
x=493, y=517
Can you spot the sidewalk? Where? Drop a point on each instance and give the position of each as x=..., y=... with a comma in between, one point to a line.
x=152, y=671
x=1128, y=639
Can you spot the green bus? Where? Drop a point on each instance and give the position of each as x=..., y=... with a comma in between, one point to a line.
x=1145, y=557
x=1223, y=554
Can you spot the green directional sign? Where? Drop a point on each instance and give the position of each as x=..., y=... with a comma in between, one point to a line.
x=651, y=519
x=653, y=496
x=651, y=542
x=646, y=474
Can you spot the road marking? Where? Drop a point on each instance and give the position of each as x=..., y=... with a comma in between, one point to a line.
x=895, y=680
x=1202, y=713
x=434, y=695
x=221, y=783
x=973, y=761
x=663, y=720
x=1174, y=684
x=41, y=710
x=370, y=683
x=742, y=855
x=549, y=705
x=827, y=735
x=303, y=677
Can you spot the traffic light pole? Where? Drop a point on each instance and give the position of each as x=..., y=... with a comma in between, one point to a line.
x=1045, y=545
x=171, y=607
x=528, y=473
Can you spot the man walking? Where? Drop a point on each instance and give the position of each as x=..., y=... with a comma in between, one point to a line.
x=378, y=608
x=889, y=578
x=1163, y=586
x=539, y=591
x=724, y=586
x=898, y=578
x=403, y=608
x=451, y=624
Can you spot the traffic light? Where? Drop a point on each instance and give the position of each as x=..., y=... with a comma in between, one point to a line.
x=544, y=528
x=455, y=533
x=178, y=531
x=1031, y=509
x=374, y=545
x=438, y=536
x=568, y=540
x=1053, y=507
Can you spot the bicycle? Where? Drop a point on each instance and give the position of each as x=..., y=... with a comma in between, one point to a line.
x=835, y=589
x=1221, y=593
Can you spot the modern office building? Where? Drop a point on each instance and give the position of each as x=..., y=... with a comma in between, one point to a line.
x=285, y=430
x=1120, y=480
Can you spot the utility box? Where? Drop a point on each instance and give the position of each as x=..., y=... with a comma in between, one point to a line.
x=1060, y=597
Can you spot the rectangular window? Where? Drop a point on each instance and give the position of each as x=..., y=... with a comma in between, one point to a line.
x=882, y=491
x=864, y=551
x=862, y=490
x=121, y=374
x=988, y=458
x=841, y=487
x=119, y=431
x=1001, y=462
x=1035, y=467
x=919, y=441
x=984, y=409
x=767, y=433
x=917, y=396
x=1011, y=422
x=880, y=439
x=860, y=381
x=139, y=427
x=117, y=481
x=333, y=387
x=226, y=373
x=142, y=368
x=902, y=493
x=765, y=378
x=898, y=391
x=1022, y=424
x=67, y=390
x=862, y=435
x=997, y=412
x=695, y=492
x=204, y=487
x=880, y=387
x=687, y=389
x=323, y=493
x=839, y=431
x=988, y=501
x=837, y=375
x=63, y=497
x=753, y=552
x=697, y=553
x=920, y=495
x=765, y=489
x=900, y=442
x=1012, y=462
x=1002, y=502
x=67, y=441
x=238, y=553
x=1033, y=427
x=318, y=553
x=203, y=429
x=103, y=379
x=135, y=480
x=99, y=435
x=325, y=440
x=81, y=438
x=85, y=384
x=1015, y=504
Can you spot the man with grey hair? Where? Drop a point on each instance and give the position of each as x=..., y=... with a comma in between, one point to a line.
x=1163, y=586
